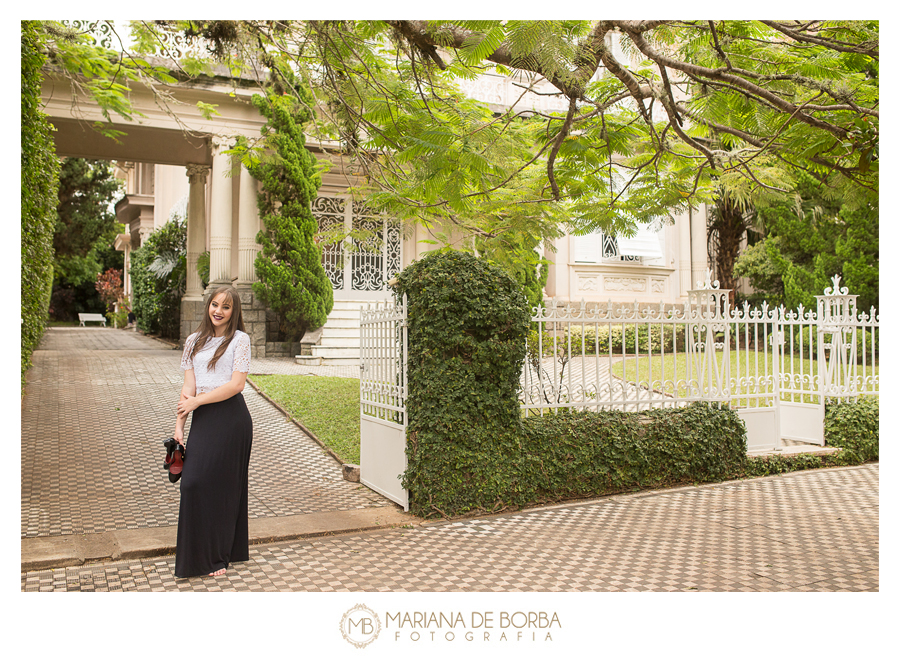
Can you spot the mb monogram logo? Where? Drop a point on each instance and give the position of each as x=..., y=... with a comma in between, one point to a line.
x=360, y=626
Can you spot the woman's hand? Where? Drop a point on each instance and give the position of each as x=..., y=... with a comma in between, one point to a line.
x=187, y=405
x=179, y=435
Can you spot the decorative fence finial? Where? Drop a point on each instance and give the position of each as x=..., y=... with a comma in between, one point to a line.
x=709, y=284
x=836, y=287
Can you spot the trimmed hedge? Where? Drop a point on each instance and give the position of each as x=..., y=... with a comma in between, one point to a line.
x=570, y=455
x=40, y=169
x=853, y=427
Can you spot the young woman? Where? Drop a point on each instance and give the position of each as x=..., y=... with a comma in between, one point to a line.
x=212, y=520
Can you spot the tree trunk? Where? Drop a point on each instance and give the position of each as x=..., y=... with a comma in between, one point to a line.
x=728, y=225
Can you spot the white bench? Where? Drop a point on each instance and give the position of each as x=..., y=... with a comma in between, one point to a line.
x=91, y=317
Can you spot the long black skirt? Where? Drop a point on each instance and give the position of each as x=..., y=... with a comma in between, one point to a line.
x=212, y=521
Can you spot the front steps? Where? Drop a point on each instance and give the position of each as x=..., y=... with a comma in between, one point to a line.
x=339, y=344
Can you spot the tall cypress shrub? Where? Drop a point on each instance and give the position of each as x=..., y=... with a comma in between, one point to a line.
x=40, y=168
x=291, y=279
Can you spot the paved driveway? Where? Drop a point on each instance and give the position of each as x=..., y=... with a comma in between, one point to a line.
x=99, y=403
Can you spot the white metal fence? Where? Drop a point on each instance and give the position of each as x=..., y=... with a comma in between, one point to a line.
x=775, y=367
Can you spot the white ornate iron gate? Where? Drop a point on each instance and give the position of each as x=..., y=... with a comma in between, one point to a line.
x=360, y=265
x=382, y=397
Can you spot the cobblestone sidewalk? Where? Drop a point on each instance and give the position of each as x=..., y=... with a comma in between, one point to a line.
x=807, y=531
x=99, y=403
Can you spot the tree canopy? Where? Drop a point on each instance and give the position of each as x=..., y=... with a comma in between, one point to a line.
x=85, y=223
x=655, y=115
x=807, y=241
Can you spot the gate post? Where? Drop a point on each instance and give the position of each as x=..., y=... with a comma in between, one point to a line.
x=709, y=314
x=837, y=318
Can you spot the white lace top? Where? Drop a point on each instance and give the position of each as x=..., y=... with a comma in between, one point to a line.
x=236, y=357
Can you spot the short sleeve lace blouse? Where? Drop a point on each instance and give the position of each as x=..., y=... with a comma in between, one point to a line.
x=236, y=358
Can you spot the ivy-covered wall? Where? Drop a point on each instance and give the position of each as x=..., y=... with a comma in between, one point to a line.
x=40, y=168
x=467, y=322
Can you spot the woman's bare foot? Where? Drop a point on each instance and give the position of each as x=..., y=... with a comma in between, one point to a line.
x=218, y=573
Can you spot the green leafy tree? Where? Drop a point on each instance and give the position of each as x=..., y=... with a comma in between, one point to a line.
x=39, y=169
x=105, y=73
x=84, y=214
x=522, y=262
x=682, y=112
x=808, y=239
x=291, y=279
x=85, y=231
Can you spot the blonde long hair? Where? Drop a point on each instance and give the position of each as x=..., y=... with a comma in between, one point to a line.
x=206, y=331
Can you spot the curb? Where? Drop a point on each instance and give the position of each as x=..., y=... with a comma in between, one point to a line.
x=42, y=553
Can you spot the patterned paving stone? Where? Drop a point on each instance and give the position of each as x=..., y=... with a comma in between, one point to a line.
x=713, y=538
x=99, y=403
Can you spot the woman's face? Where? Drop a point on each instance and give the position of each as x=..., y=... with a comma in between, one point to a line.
x=220, y=312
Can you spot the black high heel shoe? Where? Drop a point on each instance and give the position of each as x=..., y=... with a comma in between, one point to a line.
x=170, y=445
x=174, y=462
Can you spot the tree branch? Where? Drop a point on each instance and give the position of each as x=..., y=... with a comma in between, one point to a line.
x=725, y=76
x=827, y=43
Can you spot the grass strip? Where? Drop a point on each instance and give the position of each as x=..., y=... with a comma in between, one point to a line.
x=328, y=406
x=656, y=369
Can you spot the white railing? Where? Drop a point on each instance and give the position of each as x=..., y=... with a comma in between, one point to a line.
x=633, y=357
x=775, y=367
x=628, y=356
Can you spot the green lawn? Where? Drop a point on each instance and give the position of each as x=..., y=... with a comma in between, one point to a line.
x=328, y=406
x=743, y=364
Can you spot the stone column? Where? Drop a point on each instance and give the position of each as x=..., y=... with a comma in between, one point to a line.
x=248, y=227
x=196, y=228
x=254, y=311
x=220, y=216
x=699, y=254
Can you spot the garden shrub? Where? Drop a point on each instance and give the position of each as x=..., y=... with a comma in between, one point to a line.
x=623, y=339
x=39, y=171
x=292, y=281
x=577, y=454
x=158, y=278
x=853, y=427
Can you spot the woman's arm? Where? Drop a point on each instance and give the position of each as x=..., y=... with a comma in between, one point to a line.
x=223, y=392
x=188, y=389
